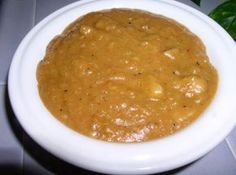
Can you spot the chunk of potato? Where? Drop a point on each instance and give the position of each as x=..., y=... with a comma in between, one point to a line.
x=183, y=114
x=152, y=87
x=171, y=53
x=191, y=85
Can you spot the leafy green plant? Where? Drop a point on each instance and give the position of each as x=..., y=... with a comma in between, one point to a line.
x=225, y=15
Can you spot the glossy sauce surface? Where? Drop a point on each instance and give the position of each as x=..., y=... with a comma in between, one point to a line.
x=126, y=76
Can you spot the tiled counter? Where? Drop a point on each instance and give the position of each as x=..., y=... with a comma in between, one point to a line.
x=19, y=154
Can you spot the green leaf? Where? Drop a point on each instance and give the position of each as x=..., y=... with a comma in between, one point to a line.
x=198, y=2
x=225, y=15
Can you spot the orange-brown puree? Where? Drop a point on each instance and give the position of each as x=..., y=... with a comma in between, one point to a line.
x=126, y=76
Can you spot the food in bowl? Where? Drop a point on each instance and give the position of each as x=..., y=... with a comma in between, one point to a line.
x=155, y=156
x=124, y=75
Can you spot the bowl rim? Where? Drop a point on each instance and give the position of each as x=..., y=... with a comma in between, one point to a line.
x=118, y=158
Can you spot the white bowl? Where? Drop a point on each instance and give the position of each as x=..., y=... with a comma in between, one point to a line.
x=148, y=157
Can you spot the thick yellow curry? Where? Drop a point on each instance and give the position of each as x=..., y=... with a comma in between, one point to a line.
x=126, y=76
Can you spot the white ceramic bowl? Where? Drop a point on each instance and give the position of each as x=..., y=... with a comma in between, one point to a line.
x=148, y=157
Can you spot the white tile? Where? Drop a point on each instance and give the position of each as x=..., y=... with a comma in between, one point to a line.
x=206, y=5
x=219, y=161
x=16, y=19
x=11, y=151
x=46, y=7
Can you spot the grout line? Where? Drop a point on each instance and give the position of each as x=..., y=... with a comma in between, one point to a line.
x=22, y=157
x=34, y=13
x=230, y=147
